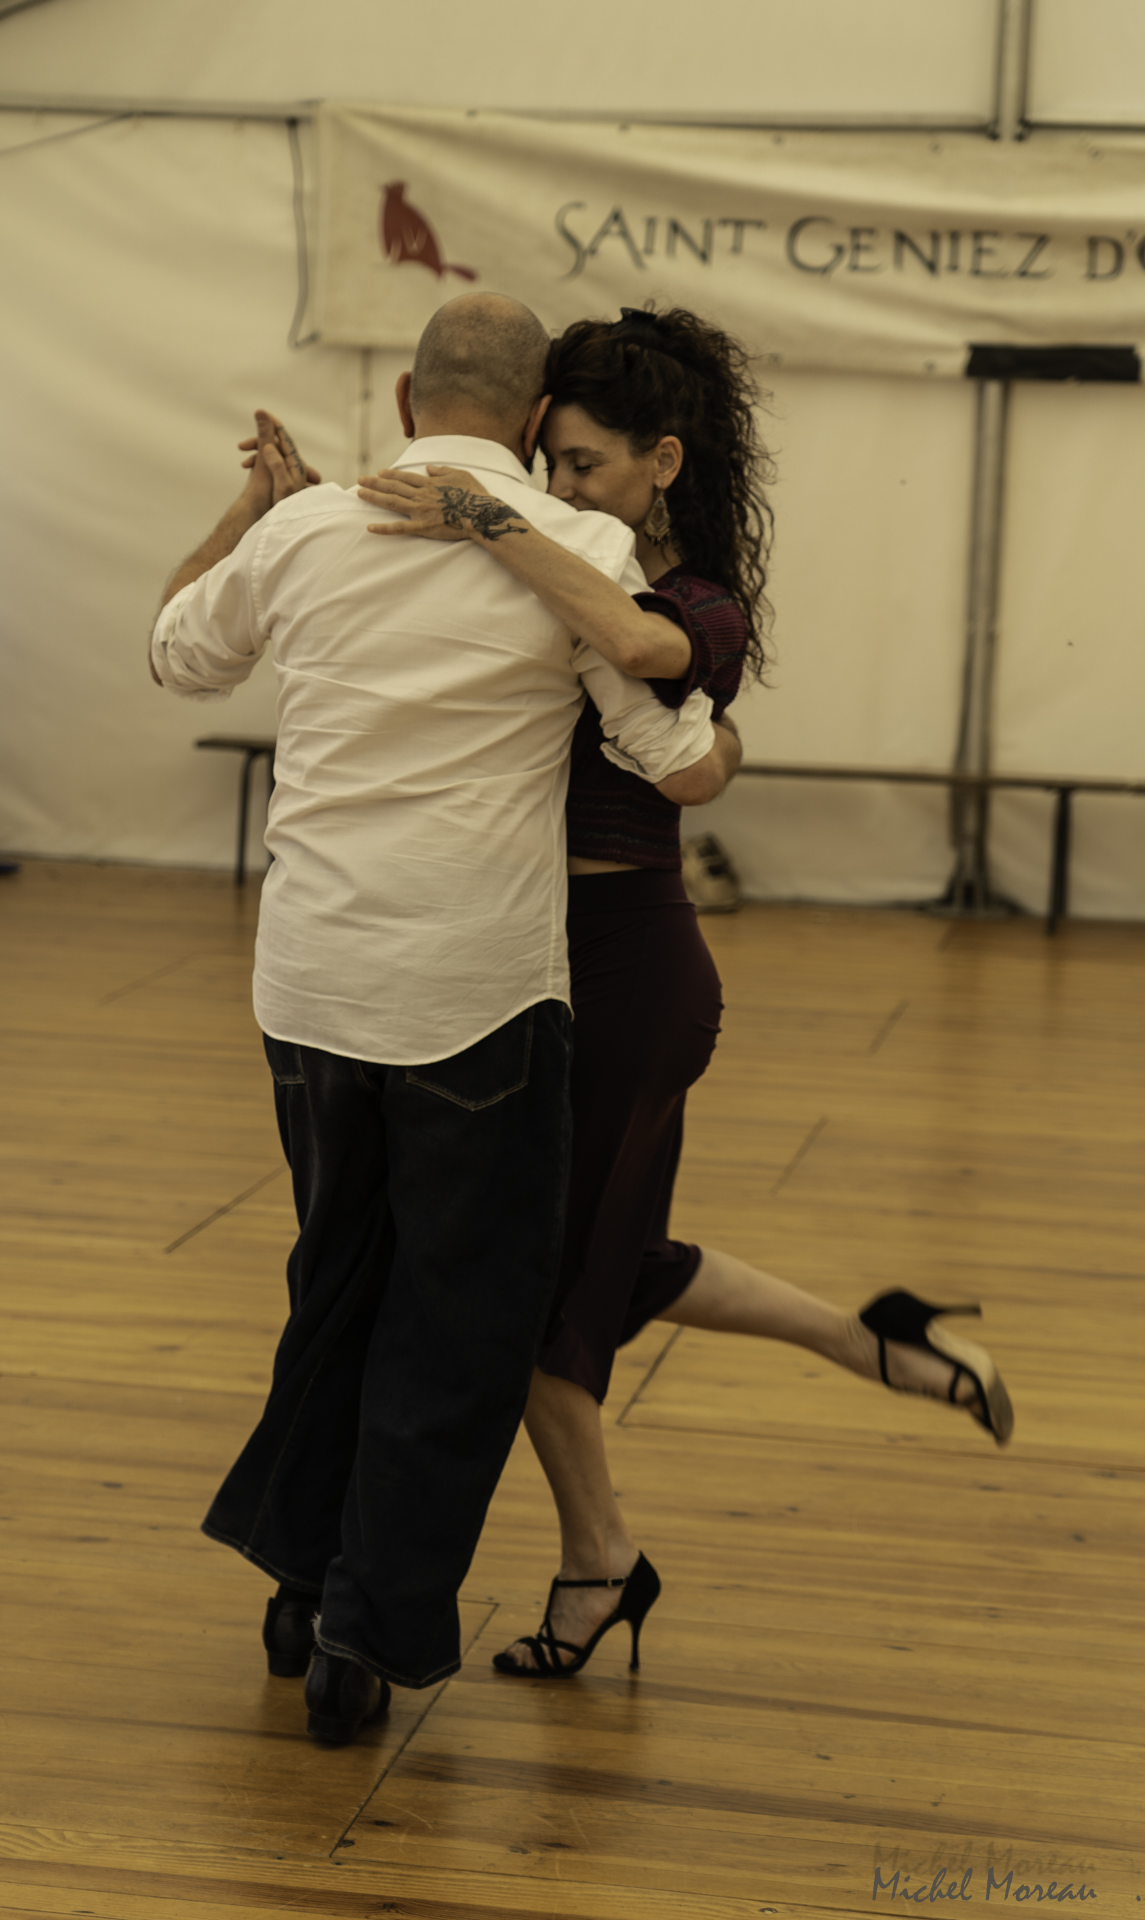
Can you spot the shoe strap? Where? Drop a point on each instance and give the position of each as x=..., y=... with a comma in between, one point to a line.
x=544, y=1647
x=620, y=1580
x=982, y=1412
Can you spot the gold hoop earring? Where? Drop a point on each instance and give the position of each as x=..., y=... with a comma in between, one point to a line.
x=658, y=526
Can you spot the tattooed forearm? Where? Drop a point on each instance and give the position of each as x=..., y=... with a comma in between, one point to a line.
x=489, y=518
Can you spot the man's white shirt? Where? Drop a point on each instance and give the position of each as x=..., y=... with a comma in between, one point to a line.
x=426, y=701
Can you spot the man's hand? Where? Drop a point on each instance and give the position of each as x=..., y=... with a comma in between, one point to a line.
x=444, y=503
x=276, y=467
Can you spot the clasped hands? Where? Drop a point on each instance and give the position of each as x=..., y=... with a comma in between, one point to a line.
x=276, y=467
x=441, y=504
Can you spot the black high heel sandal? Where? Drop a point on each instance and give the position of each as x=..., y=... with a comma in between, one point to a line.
x=907, y=1319
x=640, y=1588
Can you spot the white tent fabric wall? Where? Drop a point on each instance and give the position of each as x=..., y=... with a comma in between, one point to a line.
x=869, y=583
x=151, y=280
x=1087, y=62
x=790, y=56
x=872, y=506
x=151, y=274
x=1070, y=690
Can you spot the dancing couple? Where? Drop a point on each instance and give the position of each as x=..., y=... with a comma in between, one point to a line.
x=413, y=981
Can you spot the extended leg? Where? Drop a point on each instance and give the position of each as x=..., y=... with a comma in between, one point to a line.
x=728, y=1296
x=563, y=1420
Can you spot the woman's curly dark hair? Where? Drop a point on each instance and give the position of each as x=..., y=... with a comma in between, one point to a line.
x=649, y=374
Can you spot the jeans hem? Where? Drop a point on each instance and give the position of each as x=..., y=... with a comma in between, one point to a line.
x=326, y=1645
x=280, y=1574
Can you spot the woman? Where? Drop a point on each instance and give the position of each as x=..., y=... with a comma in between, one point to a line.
x=652, y=420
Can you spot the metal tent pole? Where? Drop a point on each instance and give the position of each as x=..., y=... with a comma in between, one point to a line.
x=969, y=890
x=1012, y=70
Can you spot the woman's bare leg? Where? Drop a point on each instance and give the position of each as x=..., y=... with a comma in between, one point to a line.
x=563, y=1422
x=727, y=1296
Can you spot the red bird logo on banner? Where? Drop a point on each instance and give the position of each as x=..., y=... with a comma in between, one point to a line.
x=405, y=234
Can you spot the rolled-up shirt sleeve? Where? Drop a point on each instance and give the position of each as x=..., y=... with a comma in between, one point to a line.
x=208, y=637
x=640, y=735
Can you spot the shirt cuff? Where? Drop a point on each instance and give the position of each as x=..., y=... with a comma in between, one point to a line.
x=681, y=740
x=174, y=675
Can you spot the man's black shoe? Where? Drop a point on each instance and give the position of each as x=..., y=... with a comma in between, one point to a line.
x=341, y=1698
x=288, y=1633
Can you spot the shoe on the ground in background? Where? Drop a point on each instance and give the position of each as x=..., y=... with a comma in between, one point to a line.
x=710, y=880
x=904, y=1318
x=341, y=1698
x=639, y=1589
x=288, y=1632
x=9, y=866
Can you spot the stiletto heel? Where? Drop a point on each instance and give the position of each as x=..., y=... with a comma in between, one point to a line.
x=639, y=1589
x=905, y=1318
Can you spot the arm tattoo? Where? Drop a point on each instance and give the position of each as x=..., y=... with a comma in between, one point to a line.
x=492, y=519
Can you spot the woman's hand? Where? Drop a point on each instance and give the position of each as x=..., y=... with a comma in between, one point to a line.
x=444, y=503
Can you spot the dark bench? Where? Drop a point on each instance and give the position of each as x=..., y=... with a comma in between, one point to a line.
x=979, y=783
x=252, y=749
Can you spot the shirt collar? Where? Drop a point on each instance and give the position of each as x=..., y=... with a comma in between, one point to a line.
x=464, y=450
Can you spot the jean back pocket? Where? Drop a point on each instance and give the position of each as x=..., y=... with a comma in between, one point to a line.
x=484, y=1073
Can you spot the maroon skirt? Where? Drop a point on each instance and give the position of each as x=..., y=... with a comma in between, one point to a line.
x=646, y=1006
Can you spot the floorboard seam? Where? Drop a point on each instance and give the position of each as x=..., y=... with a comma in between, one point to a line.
x=145, y=979
x=649, y=1376
x=398, y=1751
x=888, y=1026
x=220, y=1211
x=800, y=1154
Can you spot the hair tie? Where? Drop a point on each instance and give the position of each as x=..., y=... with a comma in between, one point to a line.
x=637, y=316
x=637, y=327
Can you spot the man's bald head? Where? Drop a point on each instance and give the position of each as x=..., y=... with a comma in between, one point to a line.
x=481, y=357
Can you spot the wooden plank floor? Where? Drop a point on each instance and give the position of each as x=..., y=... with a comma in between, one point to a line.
x=854, y=1582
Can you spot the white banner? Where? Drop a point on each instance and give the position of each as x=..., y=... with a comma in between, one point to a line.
x=880, y=253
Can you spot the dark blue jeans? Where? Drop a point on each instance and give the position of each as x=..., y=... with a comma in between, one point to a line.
x=430, y=1207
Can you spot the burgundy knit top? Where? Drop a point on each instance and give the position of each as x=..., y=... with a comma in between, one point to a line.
x=612, y=814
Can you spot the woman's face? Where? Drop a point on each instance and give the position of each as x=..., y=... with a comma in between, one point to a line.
x=592, y=467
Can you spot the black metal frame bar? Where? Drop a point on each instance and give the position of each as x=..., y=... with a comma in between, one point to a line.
x=251, y=751
x=250, y=755
x=981, y=784
x=1059, y=880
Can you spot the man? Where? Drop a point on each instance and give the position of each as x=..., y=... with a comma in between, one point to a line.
x=411, y=982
